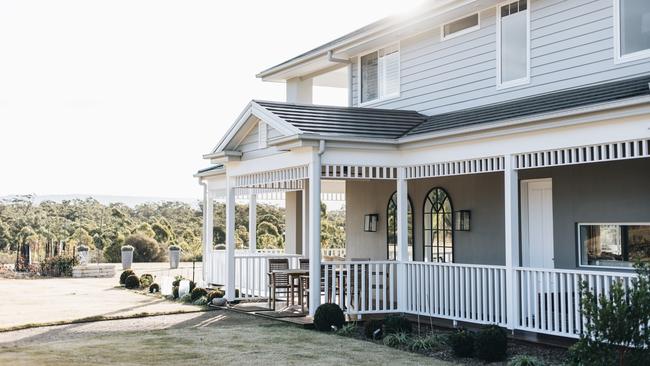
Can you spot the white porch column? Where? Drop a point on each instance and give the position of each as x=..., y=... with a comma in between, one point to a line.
x=402, y=237
x=511, y=201
x=230, y=241
x=314, y=232
x=293, y=223
x=252, y=223
x=208, y=232
x=305, y=219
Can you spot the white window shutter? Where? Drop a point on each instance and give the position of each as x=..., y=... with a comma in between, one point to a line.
x=262, y=133
x=389, y=71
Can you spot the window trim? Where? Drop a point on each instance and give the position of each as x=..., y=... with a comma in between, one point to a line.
x=579, y=224
x=424, y=229
x=412, y=244
x=399, y=76
x=522, y=81
x=461, y=32
x=618, y=57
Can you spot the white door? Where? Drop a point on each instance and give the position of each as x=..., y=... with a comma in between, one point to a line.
x=537, y=223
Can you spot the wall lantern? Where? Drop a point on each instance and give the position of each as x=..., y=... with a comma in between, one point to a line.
x=462, y=220
x=370, y=222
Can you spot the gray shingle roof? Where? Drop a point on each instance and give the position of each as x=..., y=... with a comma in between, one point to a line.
x=539, y=104
x=392, y=124
x=346, y=121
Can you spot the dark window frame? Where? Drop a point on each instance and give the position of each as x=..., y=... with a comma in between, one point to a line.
x=411, y=237
x=430, y=231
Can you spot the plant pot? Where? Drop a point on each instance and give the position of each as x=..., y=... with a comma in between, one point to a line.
x=127, y=259
x=174, y=258
x=83, y=255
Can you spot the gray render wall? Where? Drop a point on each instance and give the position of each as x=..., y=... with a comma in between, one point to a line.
x=603, y=192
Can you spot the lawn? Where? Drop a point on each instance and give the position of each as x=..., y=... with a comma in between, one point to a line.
x=204, y=338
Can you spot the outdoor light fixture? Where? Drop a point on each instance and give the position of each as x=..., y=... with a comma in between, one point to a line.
x=370, y=222
x=462, y=220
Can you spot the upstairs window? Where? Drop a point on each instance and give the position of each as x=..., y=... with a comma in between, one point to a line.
x=262, y=133
x=513, y=51
x=379, y=73
x=460, y=26
x=632, y=19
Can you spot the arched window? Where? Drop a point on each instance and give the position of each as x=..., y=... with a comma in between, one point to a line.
x=438, y=231
x=391, y=217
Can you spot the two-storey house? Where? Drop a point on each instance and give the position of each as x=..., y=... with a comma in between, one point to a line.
x=492, y=156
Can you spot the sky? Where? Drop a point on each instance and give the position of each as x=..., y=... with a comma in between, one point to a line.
x=123, y=97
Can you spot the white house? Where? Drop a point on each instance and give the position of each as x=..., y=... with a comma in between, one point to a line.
x=502, y=147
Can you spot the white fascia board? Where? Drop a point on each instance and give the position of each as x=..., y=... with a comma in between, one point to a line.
x=253, y=109
x=212, y=173
x=293, y=158
x=389, y=25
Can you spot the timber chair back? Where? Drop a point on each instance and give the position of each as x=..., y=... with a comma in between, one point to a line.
x=277, y=280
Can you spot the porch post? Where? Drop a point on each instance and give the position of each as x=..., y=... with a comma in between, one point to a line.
x=402, y=238
x=230, y=241
x=314, y=232
x=252, y=223
x=305, y=218
x=208, y=230
x=511, y=202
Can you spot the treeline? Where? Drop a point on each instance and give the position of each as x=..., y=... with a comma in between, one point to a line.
x=107, y=227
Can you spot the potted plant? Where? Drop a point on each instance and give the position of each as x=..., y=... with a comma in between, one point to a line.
x=174, y=256
x=127, y=256
x=82, y=253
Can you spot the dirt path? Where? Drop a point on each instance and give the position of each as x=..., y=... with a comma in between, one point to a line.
x=63, y=299
x=216, y=337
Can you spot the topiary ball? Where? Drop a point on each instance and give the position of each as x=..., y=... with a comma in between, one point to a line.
x=124, y=275
x=154, y=288
x=197, y=292
x=328, y=315
x=175, y=292
x=394, y=324
x=462, y=343
x=215, y=294
x=146, y=279
x=491, y=343
x=373, y=328
x=132, y=282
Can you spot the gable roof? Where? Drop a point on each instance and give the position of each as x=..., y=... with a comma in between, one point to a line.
x=346, y=121
x=539, y=104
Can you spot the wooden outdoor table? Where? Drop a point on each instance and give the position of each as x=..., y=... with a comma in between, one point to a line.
x=292, y=274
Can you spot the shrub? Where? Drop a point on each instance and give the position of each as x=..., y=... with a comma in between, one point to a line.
x=59, y=266
x=175, y=292
x=347, y=330
x=132, y=282
x=491, y=343
x=124, y=275
x=371, y=327
x=615, y=330
x=396, y=339
x=192, y=286
x=524, y=360
x=145, y=249
x=187, y=298
x=461, y=343
x=327, y=316
x=201, y=301
x=154, y=288
x=426, y=343
x=215, y=294
x=197, y=292
x=146, y=280
x=397, y=324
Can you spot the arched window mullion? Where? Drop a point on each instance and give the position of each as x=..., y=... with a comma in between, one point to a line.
x=391, y=227
x=438, y=229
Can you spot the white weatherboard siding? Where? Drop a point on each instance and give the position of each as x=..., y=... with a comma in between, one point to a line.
x=572, y=44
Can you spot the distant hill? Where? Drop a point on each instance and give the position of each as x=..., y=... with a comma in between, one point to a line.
x=130, y=201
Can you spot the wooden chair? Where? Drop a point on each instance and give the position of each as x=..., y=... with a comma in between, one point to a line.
x=277, y=280
x=303, y=284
